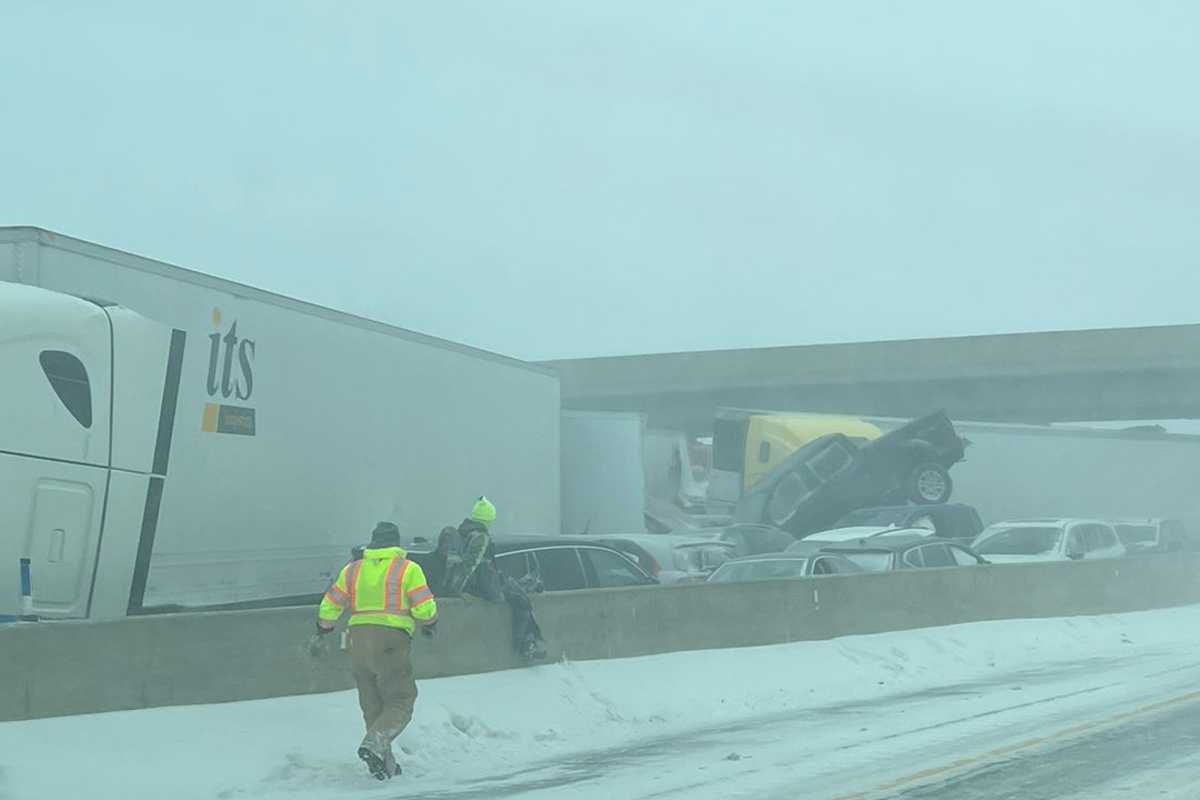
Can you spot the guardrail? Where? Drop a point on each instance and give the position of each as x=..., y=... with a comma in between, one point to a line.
x=57, y=668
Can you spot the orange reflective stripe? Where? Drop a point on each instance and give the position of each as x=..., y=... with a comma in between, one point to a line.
x=404, y=612
x=419, y=595
x=393, y=597
x=399, y=599
x=337, y=597
x=352, y=582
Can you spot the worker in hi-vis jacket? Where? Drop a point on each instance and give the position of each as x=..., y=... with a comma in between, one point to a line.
x=388, y=598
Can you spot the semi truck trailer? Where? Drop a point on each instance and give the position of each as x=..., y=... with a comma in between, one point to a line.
x=169, y=439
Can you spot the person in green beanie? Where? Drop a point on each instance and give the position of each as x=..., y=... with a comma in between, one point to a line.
x=465, y=563
x=467, y=549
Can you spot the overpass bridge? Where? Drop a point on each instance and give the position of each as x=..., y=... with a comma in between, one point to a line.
x=1118, y=373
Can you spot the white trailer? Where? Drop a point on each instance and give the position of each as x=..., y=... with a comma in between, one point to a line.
x=620, y=477
x=603, y=479
x=1015, y=471
x=181, y=440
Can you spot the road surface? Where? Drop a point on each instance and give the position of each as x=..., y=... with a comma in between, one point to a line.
x=1095, y=728
x=1045, y=709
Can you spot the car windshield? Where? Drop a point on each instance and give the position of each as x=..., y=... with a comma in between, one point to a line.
x=1019, y=541
x=701, y=557
x=644, y=557
x=1135, y=534
x=831, y=460
x=661, y=551
x=871, y=561
x=754, y=540
x=760, y=570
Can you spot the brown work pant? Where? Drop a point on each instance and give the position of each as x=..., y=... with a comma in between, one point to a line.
x=380, y=660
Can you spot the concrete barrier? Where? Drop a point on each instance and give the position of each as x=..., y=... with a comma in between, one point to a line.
x=56, y=668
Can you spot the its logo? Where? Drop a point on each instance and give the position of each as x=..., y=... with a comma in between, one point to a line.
x=227, y=380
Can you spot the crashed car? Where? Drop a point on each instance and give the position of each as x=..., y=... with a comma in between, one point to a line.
x=1048, y=539
x=858, y=533
x=671, y=559
x=948, y=520
x=773, y=566
x=750, y=539
x=896, y=550
x=831, y=476
x=1152, y=535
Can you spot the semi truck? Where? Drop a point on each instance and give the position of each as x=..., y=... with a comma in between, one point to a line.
x=169, y=439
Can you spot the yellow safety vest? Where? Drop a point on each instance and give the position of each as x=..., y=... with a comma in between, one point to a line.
x=383, y=588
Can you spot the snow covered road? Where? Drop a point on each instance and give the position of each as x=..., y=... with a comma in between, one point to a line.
x=1150, y=753
x=1023, y=708
x=948, y=741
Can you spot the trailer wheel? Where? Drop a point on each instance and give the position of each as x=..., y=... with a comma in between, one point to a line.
x=929, y=483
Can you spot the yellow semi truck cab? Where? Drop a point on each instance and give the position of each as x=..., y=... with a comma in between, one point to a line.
x=752, y=443
x=772, y=438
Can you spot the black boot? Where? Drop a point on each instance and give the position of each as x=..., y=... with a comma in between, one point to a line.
x=375, y=764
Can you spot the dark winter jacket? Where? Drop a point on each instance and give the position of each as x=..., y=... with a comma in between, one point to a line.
x=465, y=563
x=470, y=526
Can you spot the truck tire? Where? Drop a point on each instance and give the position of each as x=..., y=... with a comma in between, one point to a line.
x=929, y=484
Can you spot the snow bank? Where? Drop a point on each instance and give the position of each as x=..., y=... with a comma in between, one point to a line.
x=303, y=747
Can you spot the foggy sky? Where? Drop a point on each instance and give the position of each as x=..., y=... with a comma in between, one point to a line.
x=577, y=178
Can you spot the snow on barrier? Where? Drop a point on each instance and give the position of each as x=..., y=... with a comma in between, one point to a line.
x=57, y=668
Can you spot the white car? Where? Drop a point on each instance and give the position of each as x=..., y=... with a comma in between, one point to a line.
x=853, y=534
x=1048, y=540
x=1152, y=535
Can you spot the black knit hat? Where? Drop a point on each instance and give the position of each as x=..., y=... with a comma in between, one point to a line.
x=386, y=534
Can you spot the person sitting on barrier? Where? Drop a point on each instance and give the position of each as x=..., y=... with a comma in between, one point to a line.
x=387, y=596
x=465, y=563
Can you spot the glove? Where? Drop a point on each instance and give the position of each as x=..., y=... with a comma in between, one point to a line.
x=428, y=631
x=318, y=643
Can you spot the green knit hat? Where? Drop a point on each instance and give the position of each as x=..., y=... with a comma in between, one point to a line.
x=483, y=511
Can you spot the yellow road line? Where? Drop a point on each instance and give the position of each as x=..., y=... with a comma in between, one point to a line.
x=990, y=755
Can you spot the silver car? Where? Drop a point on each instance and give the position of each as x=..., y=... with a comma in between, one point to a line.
x=1050, y=539
x=773, y=566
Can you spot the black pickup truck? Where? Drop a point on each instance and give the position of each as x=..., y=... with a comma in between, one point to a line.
x=832, y=476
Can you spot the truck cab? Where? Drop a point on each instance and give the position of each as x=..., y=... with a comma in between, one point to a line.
x=77, y=457
x=749, y=445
